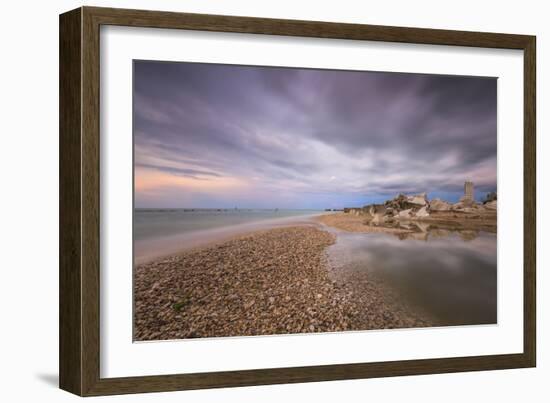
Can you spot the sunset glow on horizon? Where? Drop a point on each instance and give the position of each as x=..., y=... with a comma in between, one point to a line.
x=221, y=136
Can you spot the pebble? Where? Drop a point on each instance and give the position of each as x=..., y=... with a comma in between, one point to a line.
x=233, y=289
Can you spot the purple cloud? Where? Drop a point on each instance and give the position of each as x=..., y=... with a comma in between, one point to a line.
x=220, y=135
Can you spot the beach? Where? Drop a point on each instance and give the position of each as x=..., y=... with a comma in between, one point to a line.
x=275, y=281
x=452, y=221
x=286, y=272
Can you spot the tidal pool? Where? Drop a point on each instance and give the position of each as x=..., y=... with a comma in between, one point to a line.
x=451, y=275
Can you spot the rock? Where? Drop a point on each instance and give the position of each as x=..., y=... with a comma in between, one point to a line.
x=374, y=209
x=405, y=213
x=439, y=205
x=399, y=202
x=423, y=212
x=458, y=206
x=492, y=205
x=492, y=196
x=377, y=219
x=419, y=200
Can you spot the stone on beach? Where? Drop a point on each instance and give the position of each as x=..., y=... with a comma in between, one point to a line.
x=439, y=205
x=423, y=212
x=405, y=213
x=492, y=205
x=411, y=207
x=377, y=219
x=458, y=206
x=419, y=199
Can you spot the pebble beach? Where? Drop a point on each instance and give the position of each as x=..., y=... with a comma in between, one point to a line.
x=276, y=281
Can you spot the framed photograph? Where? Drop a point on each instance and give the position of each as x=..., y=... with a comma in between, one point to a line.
x=249, y=201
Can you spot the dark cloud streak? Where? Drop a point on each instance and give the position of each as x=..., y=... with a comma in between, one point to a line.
x=305, y=130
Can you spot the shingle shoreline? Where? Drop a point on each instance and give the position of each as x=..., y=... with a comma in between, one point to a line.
x=275, y=281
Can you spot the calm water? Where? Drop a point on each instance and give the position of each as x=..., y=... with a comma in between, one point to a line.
x=159, y=232
x=450, y=275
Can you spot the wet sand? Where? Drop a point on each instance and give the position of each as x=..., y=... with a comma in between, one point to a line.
x=275, y=281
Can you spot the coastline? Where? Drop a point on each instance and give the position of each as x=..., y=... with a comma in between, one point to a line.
x=276, y=278
x=451, y=221
x=272, y=281
x=148, y=250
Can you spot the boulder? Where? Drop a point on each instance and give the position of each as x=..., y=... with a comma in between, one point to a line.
x=418, y=200
x=377, y=219
x=377, y=209
x=372, y=210
x=492, y=196
x=423, y=212
x=399, y=202
x=492, y=205
x=439, y=205
x=405, y=213
x=458, y=206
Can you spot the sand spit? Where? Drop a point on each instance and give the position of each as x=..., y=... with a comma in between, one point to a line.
x=271, y=282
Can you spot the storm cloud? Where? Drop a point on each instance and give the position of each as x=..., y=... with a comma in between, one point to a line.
x=209, y=135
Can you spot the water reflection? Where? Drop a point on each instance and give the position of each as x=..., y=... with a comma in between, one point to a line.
x=449, y=273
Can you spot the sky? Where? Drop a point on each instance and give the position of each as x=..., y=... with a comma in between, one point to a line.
x=224, y=136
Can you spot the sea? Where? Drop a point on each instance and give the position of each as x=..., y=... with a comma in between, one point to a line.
x=159, y=232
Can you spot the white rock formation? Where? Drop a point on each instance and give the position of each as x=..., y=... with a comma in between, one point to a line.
x=405, y=213
x=492, y=205
x=439, y=205
x=423, y=212
x=419, y=200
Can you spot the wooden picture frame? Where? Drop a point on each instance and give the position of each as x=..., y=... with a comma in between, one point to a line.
x=79, y=348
